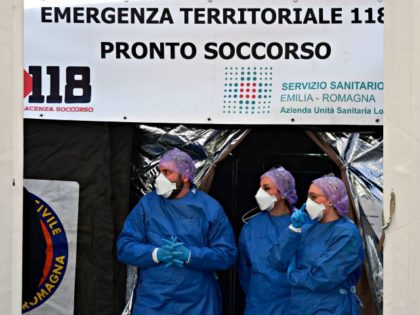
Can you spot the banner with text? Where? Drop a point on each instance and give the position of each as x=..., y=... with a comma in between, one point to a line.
x=49, y=247
x=199, y=61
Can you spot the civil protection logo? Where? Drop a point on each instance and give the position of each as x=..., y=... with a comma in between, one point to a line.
x=56, y=255
x=247, y=90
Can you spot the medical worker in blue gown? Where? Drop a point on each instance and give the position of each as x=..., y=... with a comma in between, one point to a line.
x=267, y=290
x=325, y=254
x=177, y=236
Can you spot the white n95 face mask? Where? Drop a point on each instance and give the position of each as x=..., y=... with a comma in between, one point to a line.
x=315, y=210
x=265, y=200
x=164, y=187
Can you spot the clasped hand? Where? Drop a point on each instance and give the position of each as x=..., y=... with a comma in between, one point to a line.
x=173, y=253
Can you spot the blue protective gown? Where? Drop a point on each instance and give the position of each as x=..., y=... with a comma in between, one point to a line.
x=267, y=290
x=200, y=223
x=329, y=259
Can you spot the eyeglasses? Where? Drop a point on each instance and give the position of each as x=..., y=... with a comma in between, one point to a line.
x=314, y=196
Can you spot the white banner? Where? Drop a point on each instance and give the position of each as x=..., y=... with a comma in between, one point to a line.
x=201, y=61
x=56, y=203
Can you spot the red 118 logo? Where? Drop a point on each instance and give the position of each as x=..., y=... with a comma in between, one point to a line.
x=76, y=90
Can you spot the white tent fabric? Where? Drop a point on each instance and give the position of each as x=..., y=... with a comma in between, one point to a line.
x=11, y=155
x=402, y=157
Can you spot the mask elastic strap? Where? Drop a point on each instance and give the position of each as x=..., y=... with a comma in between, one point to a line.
x=247, y=216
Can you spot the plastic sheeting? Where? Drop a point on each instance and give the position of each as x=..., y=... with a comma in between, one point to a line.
x=361, y=156
x=207, y=147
